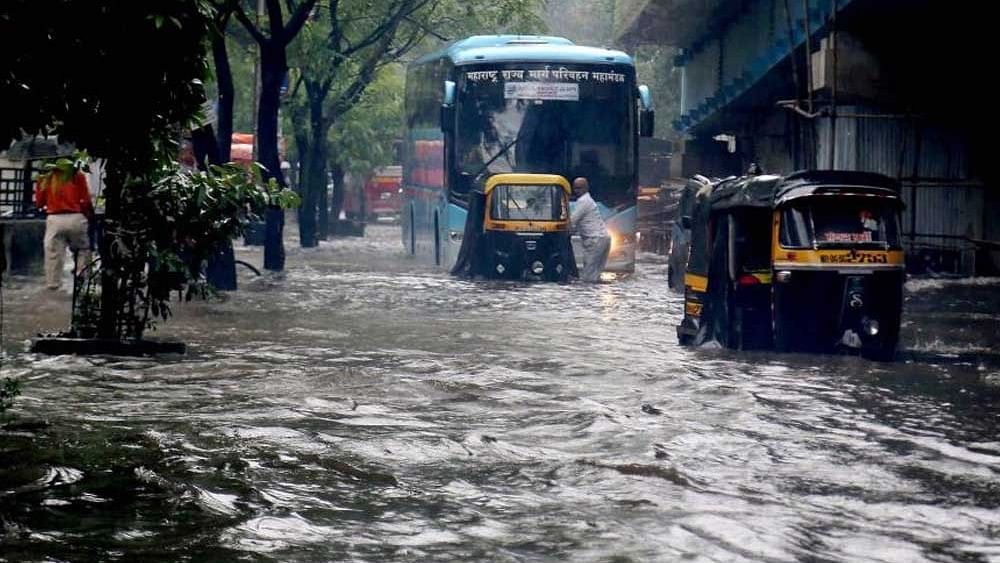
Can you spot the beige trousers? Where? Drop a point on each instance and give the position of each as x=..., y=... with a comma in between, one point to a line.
x=62, y=231
x=595, y=257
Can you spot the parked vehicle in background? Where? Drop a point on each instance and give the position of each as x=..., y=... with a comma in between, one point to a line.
x=680, y=231
x=383, y=197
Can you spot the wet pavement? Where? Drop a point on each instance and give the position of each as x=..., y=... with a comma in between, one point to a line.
x=363, y=407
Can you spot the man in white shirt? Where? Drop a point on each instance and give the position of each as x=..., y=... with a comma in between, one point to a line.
x=587, y=222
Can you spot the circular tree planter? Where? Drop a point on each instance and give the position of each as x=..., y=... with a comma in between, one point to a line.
x=55, y=344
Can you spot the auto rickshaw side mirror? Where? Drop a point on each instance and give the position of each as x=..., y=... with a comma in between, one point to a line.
x=685, y=222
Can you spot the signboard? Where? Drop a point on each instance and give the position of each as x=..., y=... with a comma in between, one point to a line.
x=541, y=91
x=546, y=73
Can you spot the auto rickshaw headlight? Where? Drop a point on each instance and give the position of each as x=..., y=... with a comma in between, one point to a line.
x=537, y=268
x=501, y=269
x=784, y=276
x=870, y=326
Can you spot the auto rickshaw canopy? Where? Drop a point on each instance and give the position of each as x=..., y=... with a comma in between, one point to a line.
x=532, y=179
x=759, y=193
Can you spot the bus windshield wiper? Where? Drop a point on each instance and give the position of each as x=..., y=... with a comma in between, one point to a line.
x=499, y=153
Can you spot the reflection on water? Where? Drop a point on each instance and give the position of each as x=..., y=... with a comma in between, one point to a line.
x=364, y=407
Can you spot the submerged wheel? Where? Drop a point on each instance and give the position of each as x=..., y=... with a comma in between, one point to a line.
x=437, y=242
x=879, y=354
x=413, y=232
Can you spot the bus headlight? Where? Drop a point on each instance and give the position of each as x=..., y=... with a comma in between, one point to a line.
x=620, y=239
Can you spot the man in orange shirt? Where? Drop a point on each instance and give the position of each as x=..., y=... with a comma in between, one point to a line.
x=65, y=198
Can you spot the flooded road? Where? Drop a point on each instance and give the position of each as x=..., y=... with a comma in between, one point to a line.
x=362, y=407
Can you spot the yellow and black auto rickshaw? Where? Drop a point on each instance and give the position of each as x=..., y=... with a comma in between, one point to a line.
x=518, y=228
x=808, y=262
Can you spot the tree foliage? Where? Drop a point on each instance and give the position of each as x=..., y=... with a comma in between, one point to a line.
x=654, y=66
x=118, y=105
x=591, y=22
x=175, y=223
x=121, y=80
x=364, y=137
x=585, y=22
x=341, y=53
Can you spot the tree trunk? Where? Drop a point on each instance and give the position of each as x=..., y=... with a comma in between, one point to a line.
x=302, y=156
x=315, y=182
x=273, y=66
x=205, y=147
x=224, y=77
x=221, y=268
x=337, y=202
x=110, y=263
x=324, y=211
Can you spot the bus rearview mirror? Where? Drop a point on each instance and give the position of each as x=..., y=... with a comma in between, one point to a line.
x=647, y=119
x=447, y=118
x=448, y=107
x=647, y=123
x=463, y=183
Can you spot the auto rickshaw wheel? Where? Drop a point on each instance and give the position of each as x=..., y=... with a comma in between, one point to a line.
x=782, y=340
x=879, y=354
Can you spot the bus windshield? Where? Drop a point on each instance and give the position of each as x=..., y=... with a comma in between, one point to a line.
x=575, y=120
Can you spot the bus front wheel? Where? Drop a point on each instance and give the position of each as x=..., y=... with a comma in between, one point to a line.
x=413, y=232
x=437, y=242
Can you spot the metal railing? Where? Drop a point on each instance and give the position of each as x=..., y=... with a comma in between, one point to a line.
x=16, y=192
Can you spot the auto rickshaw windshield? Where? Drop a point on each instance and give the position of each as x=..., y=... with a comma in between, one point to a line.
x=528, y=202
x=848, y=221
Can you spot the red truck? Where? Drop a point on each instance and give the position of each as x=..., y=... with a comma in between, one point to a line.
x=382, y=194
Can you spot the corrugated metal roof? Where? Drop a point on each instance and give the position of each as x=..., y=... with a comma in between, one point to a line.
x=932, y=162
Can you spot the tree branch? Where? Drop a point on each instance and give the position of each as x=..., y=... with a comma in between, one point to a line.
x=350, y=96
x=297, y=20
x=336, y=31
x=427, y=30
x=241, y=16
x=408, y=44
x=405, y=9
x=295, y=89
x=274, y=19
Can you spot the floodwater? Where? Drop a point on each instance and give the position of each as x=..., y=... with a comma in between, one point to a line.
x=362, y=407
